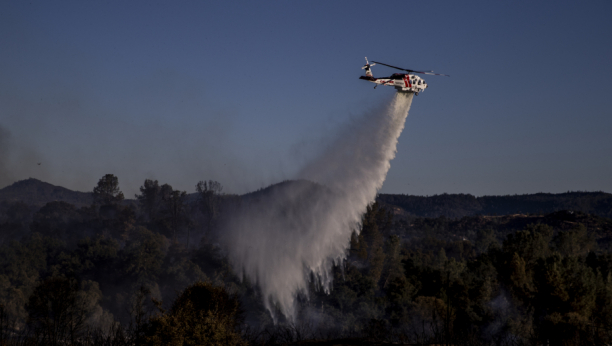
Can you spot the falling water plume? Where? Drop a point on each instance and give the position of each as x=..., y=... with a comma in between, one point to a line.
x=279, y=238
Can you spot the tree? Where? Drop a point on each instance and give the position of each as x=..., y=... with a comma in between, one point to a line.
x=484, y=239
x=143, y=255
x=432, y=317
x=141, y=309
x=203, y=314
x=371, y=220
x=175, y=211
x=566, y=297
x=355, y=246
x=150, y=198
x=393, y=262
x=178, y=270
x=107, y=191
x=57, y=219
x=574, y=242
x=58, y=310
x=99, y=257
x=165, y=207
x=209, y=193
x=530, y=244
x=15, y=221
x=362, y=247
x=520, y=281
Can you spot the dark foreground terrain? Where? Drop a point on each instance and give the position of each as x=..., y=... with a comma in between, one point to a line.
x=96, y=268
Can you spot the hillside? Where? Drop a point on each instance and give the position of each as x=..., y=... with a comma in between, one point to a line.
x=467, y=227
x=460, y=205
x=399, y=274
x=38, y=193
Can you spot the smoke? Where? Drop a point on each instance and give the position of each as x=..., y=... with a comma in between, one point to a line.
x=18, y=160
x=279, y=237
x=5, y=176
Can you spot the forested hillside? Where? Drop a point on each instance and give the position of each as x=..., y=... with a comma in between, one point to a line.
x=460, y=205
x=37, y=193
x=151, y=272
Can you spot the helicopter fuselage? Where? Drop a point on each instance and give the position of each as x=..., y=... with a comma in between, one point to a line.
x=403, y=82
x=408, y=83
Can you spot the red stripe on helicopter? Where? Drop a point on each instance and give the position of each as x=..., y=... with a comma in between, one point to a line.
x=407, y=82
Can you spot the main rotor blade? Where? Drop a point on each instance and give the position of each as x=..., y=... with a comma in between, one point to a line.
x=408, y=70
x=395, y=67
x=432, y=73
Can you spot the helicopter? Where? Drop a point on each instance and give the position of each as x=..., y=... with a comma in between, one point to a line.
x=403, y=82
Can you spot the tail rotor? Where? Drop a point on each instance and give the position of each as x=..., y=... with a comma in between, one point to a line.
x=367, y=67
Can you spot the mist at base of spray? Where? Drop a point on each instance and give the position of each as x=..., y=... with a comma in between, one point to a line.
x=280, y=238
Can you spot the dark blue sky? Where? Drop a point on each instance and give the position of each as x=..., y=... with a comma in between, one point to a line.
x=246, y=92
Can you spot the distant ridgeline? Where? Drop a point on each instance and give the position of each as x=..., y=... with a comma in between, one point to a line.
x=37, y=193
x=460, y=205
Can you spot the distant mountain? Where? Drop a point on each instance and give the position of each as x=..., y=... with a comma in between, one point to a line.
x=35, y=192
x=460, y=205
x=301, y=185
x=456, y=206
x=38, y=193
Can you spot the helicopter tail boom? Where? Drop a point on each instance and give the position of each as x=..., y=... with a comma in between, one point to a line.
x=367, y=67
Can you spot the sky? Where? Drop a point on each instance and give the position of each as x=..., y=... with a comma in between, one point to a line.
x=247, y=92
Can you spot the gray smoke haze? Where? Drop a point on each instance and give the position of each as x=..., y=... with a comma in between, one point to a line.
x=162, y=126
x=5, y=176
x=18, y=161
x=300, y=228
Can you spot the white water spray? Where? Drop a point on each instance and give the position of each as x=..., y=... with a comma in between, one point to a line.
x=301, y=228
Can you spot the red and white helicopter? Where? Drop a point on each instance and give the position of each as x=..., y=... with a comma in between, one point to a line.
x=402, y=82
